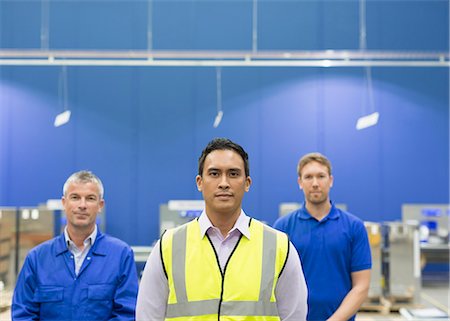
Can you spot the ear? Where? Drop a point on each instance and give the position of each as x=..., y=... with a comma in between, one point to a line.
x=299, y=181
x=102, y=204
x=63, y=201
x=198, y=181
x=331, y=180
x=248, y=183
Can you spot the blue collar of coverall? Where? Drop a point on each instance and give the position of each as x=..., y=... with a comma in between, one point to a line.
x=61, y=245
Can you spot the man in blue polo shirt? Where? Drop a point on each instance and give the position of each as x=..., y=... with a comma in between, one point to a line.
x=333, y=246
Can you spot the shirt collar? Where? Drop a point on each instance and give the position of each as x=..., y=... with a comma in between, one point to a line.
x=242, y=224
x=88, y=241
x=332, y=215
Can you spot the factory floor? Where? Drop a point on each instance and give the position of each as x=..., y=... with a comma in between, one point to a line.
x=430, y=296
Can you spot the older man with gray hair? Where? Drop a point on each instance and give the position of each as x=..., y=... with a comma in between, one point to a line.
x=81, y=274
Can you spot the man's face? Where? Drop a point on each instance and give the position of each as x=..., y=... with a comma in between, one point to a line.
x=223, y=182
x=81, y=203
x=315, y=183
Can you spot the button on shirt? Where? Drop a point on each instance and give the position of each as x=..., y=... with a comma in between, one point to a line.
x=291, y=291
x=80, y=255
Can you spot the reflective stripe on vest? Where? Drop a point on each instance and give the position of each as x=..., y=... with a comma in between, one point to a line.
x=263, y=307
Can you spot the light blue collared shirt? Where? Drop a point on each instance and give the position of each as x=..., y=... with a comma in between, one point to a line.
x=80, y=255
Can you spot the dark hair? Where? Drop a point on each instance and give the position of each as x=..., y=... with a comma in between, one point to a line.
x=223, y=144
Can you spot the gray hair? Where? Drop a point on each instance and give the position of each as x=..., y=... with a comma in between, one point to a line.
x=84, y=176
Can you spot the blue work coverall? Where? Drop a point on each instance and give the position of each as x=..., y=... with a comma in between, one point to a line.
x=104, y=289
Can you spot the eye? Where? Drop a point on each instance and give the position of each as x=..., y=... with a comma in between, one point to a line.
x=92, y=198
x=74, y=197
x=234, y=173
x=213, y=173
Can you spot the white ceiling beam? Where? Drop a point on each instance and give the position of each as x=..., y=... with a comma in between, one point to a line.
x=326, y=58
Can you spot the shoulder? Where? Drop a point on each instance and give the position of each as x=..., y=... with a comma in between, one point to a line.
x=178, y=228
x=350, y=218
x=353, y=224
x=111, y=242
x=280, y=235
x=287, y=220
x=43, y=251
x=46, y=246
x=169, y=234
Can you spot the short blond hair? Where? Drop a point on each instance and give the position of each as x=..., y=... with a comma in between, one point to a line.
x=313, y=157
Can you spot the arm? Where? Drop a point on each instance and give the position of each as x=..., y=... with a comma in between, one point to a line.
x=354, y=298
x=291, y=292
x=126, y=291
x=23, y=305
x=153, y=289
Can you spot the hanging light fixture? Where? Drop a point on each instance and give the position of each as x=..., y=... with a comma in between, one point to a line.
x=219, y=114
x=367, y=121
x=64, y=117
x=371, y=118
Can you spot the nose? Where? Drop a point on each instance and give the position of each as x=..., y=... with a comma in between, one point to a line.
x=315, y=181
x=82, y=203
x=223, y=184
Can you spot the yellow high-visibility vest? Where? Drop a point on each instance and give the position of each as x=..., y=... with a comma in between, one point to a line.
x=245, y=291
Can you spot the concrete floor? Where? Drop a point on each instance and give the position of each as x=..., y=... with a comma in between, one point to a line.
x=430, y=296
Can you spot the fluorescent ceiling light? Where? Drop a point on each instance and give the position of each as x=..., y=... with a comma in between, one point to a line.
x=326, y=63
x=218, y=119
x=62, y=118
x=367, y=121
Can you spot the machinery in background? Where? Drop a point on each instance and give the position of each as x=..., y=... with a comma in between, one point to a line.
x=376, y=279
x=8, y=255
x=395, y=275
x=21, y=229
x=178, y=212
x=172, y=214
x=400, y=259
x=433, y=220
x=141, y=254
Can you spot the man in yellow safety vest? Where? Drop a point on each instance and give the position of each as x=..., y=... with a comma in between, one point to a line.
x=223, y=265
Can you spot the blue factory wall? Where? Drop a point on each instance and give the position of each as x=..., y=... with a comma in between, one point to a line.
x=141, y=129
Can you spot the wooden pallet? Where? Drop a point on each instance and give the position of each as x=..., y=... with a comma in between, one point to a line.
x=377, y=308
x=401, y=301
x=384, y=305
x=376, y=304
x=406, y=298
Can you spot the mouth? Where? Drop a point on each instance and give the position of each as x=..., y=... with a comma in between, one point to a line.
x=81, y=214
x=224, y=195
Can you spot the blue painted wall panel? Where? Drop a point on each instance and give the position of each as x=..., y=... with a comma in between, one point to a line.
x=142, y=129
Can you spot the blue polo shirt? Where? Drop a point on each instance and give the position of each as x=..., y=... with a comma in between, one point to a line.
x=330, y=250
